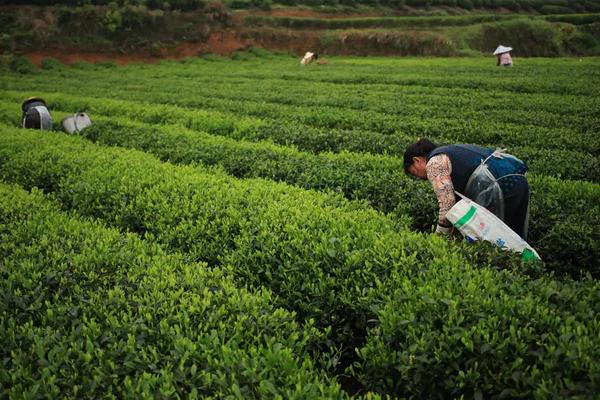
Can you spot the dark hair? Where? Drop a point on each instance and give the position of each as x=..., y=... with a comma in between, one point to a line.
x=32, y=102
x=420, y=149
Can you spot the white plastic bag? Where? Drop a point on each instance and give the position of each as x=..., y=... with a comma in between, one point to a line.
x=483, y=185
x=484, y=189
x=477, y=223
x=76, y=122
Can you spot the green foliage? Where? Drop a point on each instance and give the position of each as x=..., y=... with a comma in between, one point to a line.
x=531, y=119
x=51, y=64
x=362, y=23
x=400, y=43
x=106, y=64
x=578, y=212
x=379, y=180
x=429, y=341
x=338, y=264
x=82, y=65
x=575, y=19
x=411, y=315
x=259, y=52
x=113, y=27
x=512, y=5
x=376, y=179
x=150, y=27
x=245, y=4
x=22, y=65
x=551, y=9
x=241, y=55
x=536, y=35
x=533, y=37
x=578, y=43
x=184, y=5
x=88, y=311
x=5, y=62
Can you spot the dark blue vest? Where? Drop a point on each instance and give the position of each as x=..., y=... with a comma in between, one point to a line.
x=464, y=158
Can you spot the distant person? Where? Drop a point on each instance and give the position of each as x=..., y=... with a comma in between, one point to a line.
x=503, y=57
x=449, y=168
x=35, y=114
x=308, y=58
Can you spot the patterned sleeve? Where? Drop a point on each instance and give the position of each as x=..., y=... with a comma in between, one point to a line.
x=438, y=170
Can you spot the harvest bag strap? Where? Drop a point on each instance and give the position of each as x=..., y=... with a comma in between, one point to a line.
x=468, y=215
x=495, y=153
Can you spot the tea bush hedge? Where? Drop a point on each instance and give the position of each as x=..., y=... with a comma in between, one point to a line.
x=88, y=311
x=331, y=261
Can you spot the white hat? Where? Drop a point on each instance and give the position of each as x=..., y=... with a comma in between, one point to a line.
x=502, y=49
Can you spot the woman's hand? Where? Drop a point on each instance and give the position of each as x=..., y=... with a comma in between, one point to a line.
x=444, y=230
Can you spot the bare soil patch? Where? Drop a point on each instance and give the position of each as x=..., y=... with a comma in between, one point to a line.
x=222, y=43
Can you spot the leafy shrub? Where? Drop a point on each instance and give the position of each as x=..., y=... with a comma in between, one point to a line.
x=576, y=19
x=307, y=116
x=106, y=64
x=241, y=4
x=241, y=55
x=212, y=57
x=534, y=37
x=592, y=5
x=113, y=27
x=466, y=4
x=259, y=52
x=184, y=5
x=88, y=311
x=5, y=60
x=430, y=343
x=22, y=65
x=404, y=43
x=337, y=263
x=550, y=9
x=576, y=42
x=378, y=180
x=82, y=65
x=51, y=64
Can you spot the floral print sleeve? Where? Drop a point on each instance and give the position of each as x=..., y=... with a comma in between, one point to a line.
x=438, y=170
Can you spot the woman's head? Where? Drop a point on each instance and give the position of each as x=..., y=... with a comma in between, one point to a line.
x=415, y=158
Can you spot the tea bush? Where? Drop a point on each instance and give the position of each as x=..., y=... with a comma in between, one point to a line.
x=351, y=294
x=88, y=311
x=330, y=261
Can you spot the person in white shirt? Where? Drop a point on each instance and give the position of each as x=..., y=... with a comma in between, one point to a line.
x=504, y=59
x=308, y=58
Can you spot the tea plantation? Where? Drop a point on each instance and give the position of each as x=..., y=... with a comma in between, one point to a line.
x=243, y=228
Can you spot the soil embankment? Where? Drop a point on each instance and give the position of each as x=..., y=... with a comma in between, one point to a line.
x=223, y=43
x=129, y=34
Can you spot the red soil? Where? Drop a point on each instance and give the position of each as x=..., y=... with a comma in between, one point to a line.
x=222, y=43
x=69, y=57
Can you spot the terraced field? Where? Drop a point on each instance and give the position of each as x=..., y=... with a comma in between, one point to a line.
x=244, y=228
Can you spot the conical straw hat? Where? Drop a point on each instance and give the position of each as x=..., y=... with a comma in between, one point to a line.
x=502, y=49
